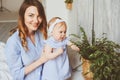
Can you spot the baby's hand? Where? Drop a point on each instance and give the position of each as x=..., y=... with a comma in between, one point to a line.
x=74, y=47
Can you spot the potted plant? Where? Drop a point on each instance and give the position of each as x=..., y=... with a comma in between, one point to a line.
x=101, y=56
x=69, y=4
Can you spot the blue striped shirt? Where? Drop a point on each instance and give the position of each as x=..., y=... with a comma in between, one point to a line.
x=18, y=58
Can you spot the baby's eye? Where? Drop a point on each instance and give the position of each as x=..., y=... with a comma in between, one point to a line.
x=60, y=31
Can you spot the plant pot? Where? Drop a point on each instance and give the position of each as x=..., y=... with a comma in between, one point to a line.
x=87, y=74
x=69, y=6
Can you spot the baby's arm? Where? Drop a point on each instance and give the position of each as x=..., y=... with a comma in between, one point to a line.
x=73, y=46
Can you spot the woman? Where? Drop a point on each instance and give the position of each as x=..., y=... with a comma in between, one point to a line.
x=24, y=49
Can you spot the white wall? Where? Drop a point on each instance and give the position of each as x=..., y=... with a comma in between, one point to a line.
x=12, y=5
x=55, y=8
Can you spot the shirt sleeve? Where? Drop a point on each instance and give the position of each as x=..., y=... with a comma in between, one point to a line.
x=67, y=40
x=14, y=59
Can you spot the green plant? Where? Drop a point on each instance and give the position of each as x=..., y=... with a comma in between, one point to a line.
x=68, y=1
x=103, y=54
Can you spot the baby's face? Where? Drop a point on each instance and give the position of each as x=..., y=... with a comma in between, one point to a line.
x=59, y=32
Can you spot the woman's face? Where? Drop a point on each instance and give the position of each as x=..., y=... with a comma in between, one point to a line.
x=32, y=18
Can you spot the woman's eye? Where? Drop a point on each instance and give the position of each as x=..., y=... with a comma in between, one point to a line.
x=31, y=15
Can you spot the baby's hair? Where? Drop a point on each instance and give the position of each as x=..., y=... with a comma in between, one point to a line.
x=53, y=20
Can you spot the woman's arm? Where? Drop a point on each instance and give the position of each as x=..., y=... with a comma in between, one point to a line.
x=14, y=60
x=47, y=54
x=34, y=65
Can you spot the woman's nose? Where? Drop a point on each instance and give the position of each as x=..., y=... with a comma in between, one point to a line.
x=36, y=19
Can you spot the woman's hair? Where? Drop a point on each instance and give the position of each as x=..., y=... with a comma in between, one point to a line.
x=23, y=30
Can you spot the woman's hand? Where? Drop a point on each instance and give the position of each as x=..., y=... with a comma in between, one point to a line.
x=58, y=51
x=49, y=55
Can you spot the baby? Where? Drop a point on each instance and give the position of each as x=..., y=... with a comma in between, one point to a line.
x=58, y=68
